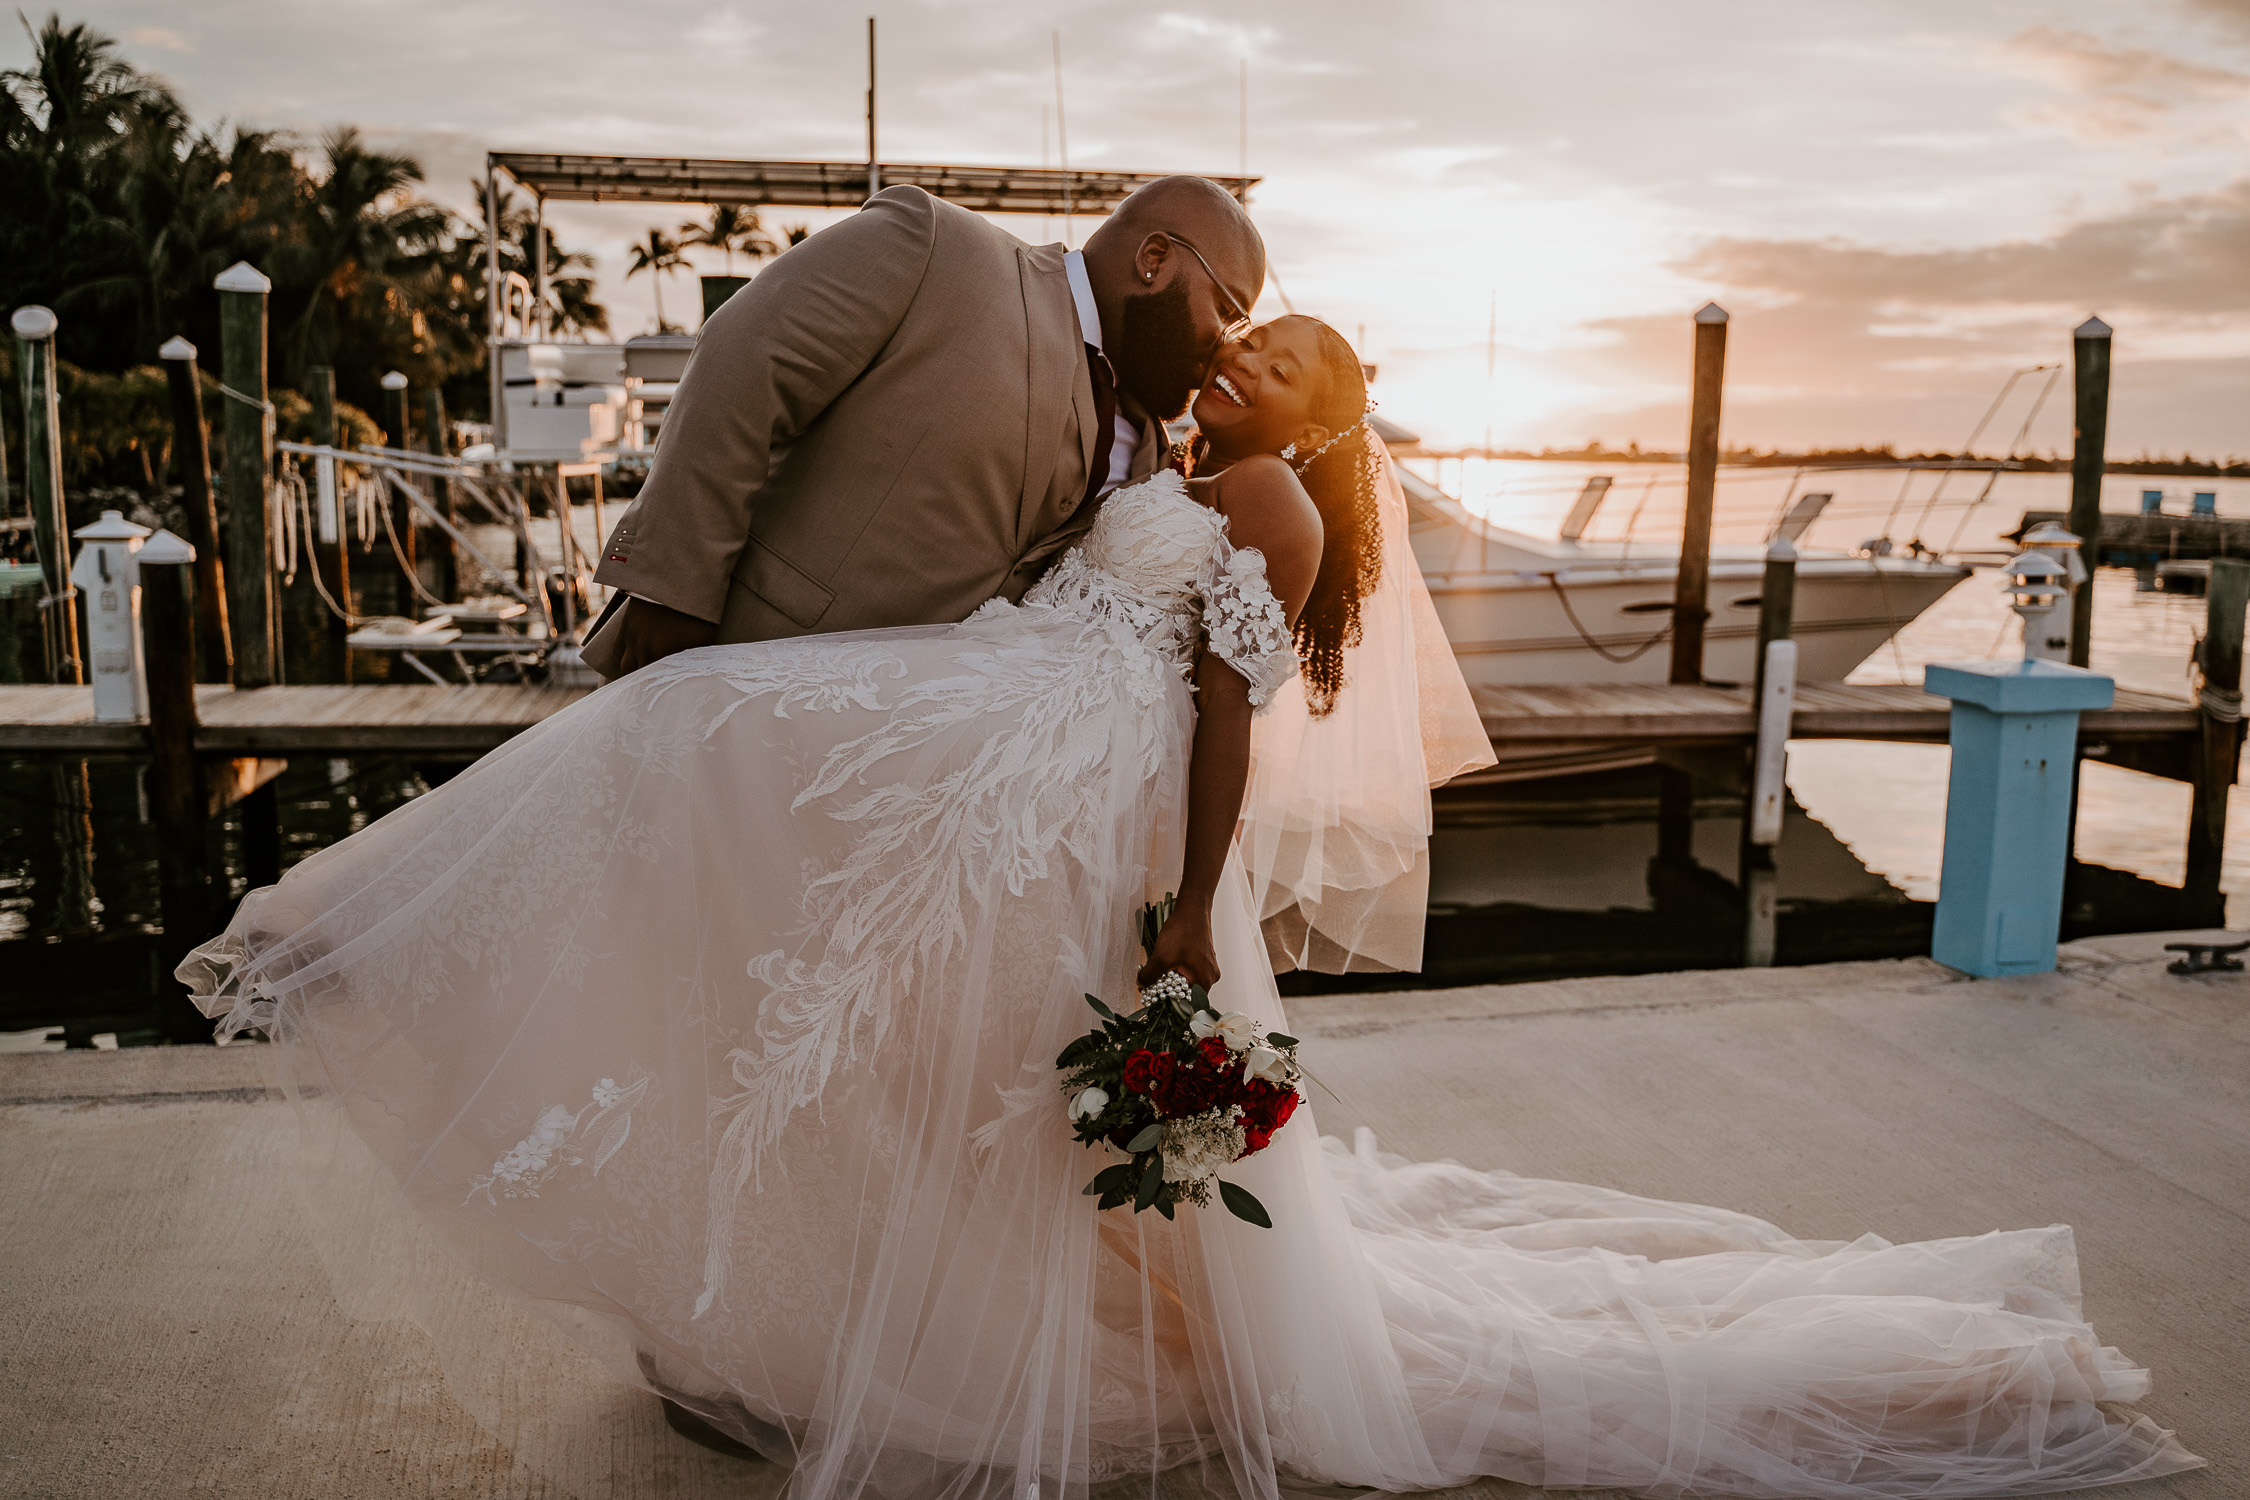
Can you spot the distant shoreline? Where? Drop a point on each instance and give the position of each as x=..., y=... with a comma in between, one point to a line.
x=2186, y=466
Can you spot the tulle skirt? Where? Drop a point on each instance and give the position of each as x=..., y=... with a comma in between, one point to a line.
x=716, y=1019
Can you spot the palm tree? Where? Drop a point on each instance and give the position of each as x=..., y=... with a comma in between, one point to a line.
x=358, y=247
x=74, y=124
x=659, y=255
x=571, y=307
x=731, y=227
x=85, y=89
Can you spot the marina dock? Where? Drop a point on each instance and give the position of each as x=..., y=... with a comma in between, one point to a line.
x=1624, y=713
x=471, y=719
x=2137, y=540
x=166, y=1274
x=440, y=722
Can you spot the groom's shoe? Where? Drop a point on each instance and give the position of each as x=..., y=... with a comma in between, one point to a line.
x=692, y=1427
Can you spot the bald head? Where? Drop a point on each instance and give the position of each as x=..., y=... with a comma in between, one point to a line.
x=1201, y=212
x=1175, y=265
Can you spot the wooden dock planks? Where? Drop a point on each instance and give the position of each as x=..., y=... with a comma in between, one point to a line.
x=332, y=720
x=1663, y=714
x=465, y=720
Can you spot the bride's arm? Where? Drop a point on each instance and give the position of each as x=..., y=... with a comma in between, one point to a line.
x=1268, y=510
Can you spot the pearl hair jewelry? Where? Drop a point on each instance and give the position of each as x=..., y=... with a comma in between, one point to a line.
x=1289, y=454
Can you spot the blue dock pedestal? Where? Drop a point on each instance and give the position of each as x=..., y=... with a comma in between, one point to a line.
x=2007, y=810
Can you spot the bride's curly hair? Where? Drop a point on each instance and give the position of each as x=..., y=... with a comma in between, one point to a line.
x=1341, y=479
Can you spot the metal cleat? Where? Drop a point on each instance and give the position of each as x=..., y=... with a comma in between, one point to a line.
x=2205, y=958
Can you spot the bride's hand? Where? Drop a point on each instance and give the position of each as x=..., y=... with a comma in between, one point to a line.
x=1184, y=945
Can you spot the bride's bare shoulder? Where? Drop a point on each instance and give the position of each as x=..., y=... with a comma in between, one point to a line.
x=1267, y=508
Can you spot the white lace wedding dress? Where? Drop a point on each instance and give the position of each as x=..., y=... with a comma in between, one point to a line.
x=717, y=1016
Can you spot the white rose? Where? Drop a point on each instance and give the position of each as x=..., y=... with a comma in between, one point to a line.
x=1089, y=1103
x=1236, y=1030
x=1264, y=1062
x=1202, y=1024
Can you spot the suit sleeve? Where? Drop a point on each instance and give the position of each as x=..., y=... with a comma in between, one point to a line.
x=767, y=365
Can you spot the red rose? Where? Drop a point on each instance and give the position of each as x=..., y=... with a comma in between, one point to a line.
x=1216, y=1057
x=1264, y=1113
x=1145, y=1071
x=1193, y=1086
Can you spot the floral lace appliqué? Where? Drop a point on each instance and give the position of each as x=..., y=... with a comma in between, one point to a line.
x=1245, y=626
x=561, y=1138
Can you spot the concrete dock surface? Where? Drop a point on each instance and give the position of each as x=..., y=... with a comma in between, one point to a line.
x=165, y=1328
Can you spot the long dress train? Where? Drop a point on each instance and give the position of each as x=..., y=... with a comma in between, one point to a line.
x=717, y=1017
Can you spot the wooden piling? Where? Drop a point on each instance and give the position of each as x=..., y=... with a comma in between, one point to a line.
x=1777, y=605
x=2090, y=344
x=446, y=558
x=2219, y=658
x=249, y=427
x=261, y=837
x=176, y=793
x=1759, y=877
x=320, y=389
x=43, y=488
x=191, y=456
x=1690, y=600
x=395, y=435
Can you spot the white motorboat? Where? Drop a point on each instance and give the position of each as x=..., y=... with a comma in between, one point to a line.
x=1523, y=610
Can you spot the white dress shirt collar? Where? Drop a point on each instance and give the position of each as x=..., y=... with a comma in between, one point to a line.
x=1125, y=436
x=1082, y=294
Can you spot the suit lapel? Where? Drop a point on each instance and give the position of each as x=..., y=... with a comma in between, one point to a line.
x=1058, y=387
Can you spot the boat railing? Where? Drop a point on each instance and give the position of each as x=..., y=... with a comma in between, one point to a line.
x=1599, y=493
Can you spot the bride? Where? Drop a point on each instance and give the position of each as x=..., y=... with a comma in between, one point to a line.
x=717, y=1018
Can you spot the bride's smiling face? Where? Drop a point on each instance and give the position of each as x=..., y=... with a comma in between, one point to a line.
x=1260, y=393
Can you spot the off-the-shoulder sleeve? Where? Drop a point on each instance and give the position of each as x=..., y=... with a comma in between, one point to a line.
x=1244, y=624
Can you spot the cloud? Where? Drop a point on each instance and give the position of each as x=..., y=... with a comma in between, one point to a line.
x=159, y=36
x=2234, y=13
x=2126, y=91
x=2180, y=256
x=1844, y=342
x=725, y=33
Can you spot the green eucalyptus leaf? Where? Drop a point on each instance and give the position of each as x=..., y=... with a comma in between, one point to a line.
x=1114, y=1197
x=1118, y=1178
x=1152, y=1182
x=1275, y=1038
x=1147, y=1140
x=1243, y=1205
x=1100, y=1009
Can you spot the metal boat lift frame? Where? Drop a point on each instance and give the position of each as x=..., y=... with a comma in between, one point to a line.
x=567, y=178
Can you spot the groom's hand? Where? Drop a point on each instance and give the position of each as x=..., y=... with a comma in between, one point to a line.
x=650, y=632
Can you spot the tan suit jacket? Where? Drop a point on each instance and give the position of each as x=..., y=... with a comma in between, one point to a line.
x=889, y=426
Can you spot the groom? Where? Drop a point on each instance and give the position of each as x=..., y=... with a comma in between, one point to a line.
x=914, y=411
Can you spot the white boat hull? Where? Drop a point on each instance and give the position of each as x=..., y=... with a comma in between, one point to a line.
x=1523, y=610
x=1508, y=630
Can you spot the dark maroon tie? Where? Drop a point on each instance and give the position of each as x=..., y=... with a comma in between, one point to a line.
x=1105, y=424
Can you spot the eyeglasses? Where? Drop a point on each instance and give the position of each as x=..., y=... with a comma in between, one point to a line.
x=1241, y=322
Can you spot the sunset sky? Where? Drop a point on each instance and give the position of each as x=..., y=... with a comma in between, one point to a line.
x=1901, y=201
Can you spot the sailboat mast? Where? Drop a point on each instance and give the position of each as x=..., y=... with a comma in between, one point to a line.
x=874, y=167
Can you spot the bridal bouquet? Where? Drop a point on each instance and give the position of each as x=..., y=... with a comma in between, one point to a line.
x=1183, y=1090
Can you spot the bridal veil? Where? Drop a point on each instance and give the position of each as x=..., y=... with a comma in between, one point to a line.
x=1336, y=822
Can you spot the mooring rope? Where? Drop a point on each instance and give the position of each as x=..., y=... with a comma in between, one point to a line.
x=1597, y=647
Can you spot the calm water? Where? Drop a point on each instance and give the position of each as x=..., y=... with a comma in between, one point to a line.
x=1542, y=879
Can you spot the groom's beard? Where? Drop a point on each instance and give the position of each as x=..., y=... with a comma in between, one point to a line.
x=1160, y=361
